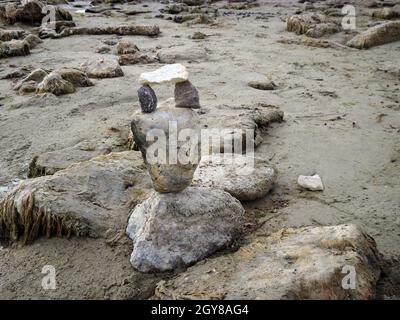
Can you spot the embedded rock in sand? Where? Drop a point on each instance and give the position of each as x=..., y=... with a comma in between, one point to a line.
x=161, y=137
x=375, y=36
x=36, y=76
x=313, y=25
x=104, y=67
x=147, y=99
x=77, y=77
x=30, y=12
x=174, y=230
x=186, y=95
x=244, y=177
x=8, y=35
x=54, y=83
x=335, y=262
x=14, y=48
x=136, y=58
x=171, y=73
x=85, y=199
x=124, y=47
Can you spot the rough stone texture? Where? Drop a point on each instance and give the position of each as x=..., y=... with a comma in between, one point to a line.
x=29, y=13
x=136, y=58
x=303, y=263
x=129, y=30
x=182, y=53
x=14, y=48
x=48, y=163
x=54, y=83
x=186, y=95
x=147, y=99
x=313, y=183
x=242, y=176
x=75, y=76
x=238, y=119
x=104, y=67
x=171, y=73
x=312, y=25
x=174, y=230
x=83, y=200
x=375, y=36
x=168, y=175
x=7, y=35
x=386, y=13
x=36, y=76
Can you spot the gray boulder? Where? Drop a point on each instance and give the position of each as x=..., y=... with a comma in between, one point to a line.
x=174, y=230
x=244, y=177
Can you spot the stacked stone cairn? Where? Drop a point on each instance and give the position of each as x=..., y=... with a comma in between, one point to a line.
x=177, y=225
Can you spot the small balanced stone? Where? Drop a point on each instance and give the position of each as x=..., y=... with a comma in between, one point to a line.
x=147, y=99
x=186, y=95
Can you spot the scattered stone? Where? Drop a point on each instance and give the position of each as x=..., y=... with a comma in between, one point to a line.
x=14, y=48
x=376, y=36
x=170, y=170
x=173, y=230
x=311, y=42
x=104, y=67
x=313, y=183
x=303, y=263
x=124, y=47
x=48, y=163
x=147, y=99
x=182, y=53
x=136, y=58
x=86, y=199
x=386, y=13
x=36, y=76
x=103, y=49
x=172, y=73
x=260, y=85
x=244, y=177
x=150, y=31
x=198, y=36
x=186, y=95
x=55, y=84
x=77, y=77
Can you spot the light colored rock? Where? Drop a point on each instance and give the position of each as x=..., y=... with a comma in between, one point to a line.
x=174, y=230
x=84, y=199
x=103, y=67
x=171, y=73
x=375, y=36
x=168, y=174
x=124, y=47
x=77, y=77
x=54, y=83
x=313, y=183
x=244, y=177
x=14, y=48
x=303, y=263
x=182, y=53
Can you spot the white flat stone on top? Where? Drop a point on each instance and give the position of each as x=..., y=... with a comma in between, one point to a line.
x=170, y=73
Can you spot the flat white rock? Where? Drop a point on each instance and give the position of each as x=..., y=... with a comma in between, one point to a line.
x=170, y=73
x=313, y=183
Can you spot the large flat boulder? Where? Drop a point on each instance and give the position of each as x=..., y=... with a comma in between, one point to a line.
x=84, y=199
x=335, y=262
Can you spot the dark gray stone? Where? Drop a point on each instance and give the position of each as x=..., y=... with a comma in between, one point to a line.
x=147, y=99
